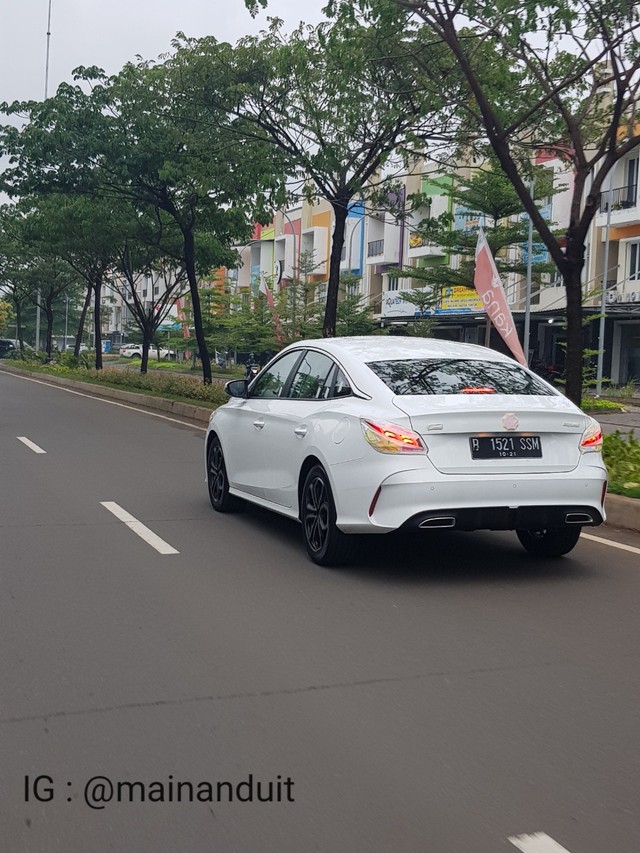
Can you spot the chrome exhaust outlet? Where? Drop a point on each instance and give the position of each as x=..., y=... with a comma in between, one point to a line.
x=441, y=521
x=578, y=518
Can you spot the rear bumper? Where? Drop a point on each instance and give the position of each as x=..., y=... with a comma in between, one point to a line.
x=505, y=518
x=408, y=499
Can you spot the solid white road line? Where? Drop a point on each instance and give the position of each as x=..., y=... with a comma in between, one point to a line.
x=139, y=528
x=110, y=402
x=537, y=843
x=610, y=543
x=30, y=444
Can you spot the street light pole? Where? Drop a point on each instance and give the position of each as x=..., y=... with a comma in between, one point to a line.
x=293, y=270
x=46, y=94
x=603, y=298
x=527, y=305
x=66, y=321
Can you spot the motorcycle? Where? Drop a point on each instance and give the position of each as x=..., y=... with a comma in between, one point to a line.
x=251, y=371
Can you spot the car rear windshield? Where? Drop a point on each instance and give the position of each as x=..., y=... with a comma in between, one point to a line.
x=456, y=376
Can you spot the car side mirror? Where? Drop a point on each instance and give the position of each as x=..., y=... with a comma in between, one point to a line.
x=237, y=388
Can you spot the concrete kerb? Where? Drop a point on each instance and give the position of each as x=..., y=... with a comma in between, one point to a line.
x=622, y=512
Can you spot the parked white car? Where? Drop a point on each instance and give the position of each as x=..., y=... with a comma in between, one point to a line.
x=375, y=434
x=135, y=351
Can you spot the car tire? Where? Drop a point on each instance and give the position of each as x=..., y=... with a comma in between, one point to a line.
x=325, y=543
x=217, y=480
x=549, y=543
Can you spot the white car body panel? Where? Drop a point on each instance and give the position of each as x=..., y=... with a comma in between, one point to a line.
x=264, y=463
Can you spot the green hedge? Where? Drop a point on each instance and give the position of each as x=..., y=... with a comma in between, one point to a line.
x=174, y=386
x=622, y=457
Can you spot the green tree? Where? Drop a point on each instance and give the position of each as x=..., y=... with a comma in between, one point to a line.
x=330, y=99
x=562, y=76
x=137, y=272
x=6, y=314
x=354, y=309
x=136, y=137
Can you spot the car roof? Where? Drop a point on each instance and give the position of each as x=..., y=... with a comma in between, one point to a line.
x=393, y=348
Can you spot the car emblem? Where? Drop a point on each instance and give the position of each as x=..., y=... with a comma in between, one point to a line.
x=510, y=421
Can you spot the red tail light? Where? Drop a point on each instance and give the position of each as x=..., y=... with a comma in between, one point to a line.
x=592, y=436
x=391, y=438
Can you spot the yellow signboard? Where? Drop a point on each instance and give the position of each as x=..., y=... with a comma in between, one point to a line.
x=461, y=299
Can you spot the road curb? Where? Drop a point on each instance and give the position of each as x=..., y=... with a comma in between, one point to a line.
x=622, y=512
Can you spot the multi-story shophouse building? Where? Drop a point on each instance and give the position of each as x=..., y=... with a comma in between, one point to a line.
x=378, y=243
x=615, y=244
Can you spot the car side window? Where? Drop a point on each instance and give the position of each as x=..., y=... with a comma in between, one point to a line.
x=272, y=382
x=341, y=387
x=312, y=379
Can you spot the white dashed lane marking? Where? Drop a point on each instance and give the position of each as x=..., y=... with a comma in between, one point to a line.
x=30, y=444
x=539, y=842
x=620, y=545
x=139, y=528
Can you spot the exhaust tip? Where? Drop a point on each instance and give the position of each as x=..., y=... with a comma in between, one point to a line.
x=440, y=521
x=578, y=518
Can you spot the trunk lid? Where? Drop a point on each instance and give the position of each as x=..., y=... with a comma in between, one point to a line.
x=447, y=422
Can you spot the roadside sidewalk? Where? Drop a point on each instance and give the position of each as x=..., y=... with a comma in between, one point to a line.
x=623, y=421
x=622, y=512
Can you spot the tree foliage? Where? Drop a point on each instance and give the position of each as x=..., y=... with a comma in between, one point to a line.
x=562, y=77
x=335, y=100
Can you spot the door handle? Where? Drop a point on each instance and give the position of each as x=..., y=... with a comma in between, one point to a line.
x=259, y=423
x=300, y=431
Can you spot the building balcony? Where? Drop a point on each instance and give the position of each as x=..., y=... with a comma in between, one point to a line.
x=421, y=248
x=624, y=206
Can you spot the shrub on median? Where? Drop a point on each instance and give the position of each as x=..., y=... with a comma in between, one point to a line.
x=174, y=386
x=622, y=457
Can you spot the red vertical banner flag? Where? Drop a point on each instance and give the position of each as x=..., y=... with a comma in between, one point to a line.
x=264, y=288
x=489, y=287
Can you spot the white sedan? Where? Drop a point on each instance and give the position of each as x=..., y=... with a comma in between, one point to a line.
x=135, y=351
x=375, y=434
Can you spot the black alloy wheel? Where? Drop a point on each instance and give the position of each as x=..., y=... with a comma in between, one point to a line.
x=217, y=482
x=555, y=542
x=325, y=543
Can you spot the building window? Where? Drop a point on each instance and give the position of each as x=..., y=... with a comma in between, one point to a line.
x=156, y=289
x=393, y=284
x=632, y=181
x=634, y=261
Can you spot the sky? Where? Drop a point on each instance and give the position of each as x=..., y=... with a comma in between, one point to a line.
x=109, y=33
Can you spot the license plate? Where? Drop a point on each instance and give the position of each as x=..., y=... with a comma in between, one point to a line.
x=506, y=447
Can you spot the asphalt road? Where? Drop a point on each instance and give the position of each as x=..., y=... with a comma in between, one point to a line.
x=443, y=695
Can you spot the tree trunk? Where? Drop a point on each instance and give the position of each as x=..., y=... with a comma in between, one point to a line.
x=97, y=331
x=48, y=310
x=190, y=266
x=146, y=343
x=82, y=321
x=340, y=218
x=575, y=332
